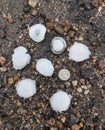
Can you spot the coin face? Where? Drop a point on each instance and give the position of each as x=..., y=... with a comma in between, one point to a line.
x=58, y=45
x=64, y=74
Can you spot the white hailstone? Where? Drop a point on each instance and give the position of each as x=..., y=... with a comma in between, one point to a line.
x=26, y=88
x=58, y=45
x=60, y=101
x=64, y=74
x=79, y=52
x=37, y=32
x=20, y=58
x=20, y=49
x=45, y=67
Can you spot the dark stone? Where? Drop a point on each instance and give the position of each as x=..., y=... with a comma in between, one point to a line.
x=26, y=9
x=43, y=15
x=103, y=87
x=93, y=82
x=23, y=26
x=95, y=120
x=85, y=3
x=92, y=103
x=96, y=127
x=71, y=120
x=86, y=73
x=46, y=128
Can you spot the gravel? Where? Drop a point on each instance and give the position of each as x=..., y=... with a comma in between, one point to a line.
x=81, y=21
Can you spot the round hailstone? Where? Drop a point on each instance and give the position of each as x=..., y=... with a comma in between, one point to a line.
x=37, y=32
x=20, y=58
x=64, y=74
x=26, y=88
x=45, y=67
x=58, y=45
x=79, y=52
x=60, y=101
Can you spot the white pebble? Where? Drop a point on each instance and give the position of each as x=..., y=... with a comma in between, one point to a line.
x=45, y=67
x=37, y=32
x=20, y=58
x=79, y=52
x=26, y=88
x=86, y=92
x=58, y=45
x=79, y=90
x=60, y=101
x=64, y=74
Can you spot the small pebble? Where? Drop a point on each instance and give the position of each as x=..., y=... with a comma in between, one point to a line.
x=78, y=114
x=18, y=104
x=49, y=25
x=79, y=90
x=101, y=64
x=10, y=20
x=60, y=125
x=53, y=128
x=81, y=124
x=80, y=38
x=64, y=74
x=3, y=69
x=63, y=119
x=33, y=3
x=34, y=12
x=58, y=29
x=95, y=3
x=75, y=127
x=74, y=83
x=16, y=78
x=51, y=122
x=84, y=86
x=86, y=92
x=71, y=34
x=10, y=80
x=2, y=60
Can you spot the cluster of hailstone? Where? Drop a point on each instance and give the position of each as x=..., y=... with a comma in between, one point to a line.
x=26, y=88
x=45, y=67
x=20, y=58
x=60, y=101
x=79, y=52
x=37, y=32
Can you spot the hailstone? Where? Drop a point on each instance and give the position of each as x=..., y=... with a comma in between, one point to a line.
x=20, y=58
x=60, y=101
x=26, y=88
x=37, y=32
x=79, y=52
x=45, y=67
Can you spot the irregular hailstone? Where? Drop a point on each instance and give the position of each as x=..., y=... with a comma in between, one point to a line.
x=45, y=67
x=26, y=88
x=20, y=58
x=37, y=32
x=60, y=101
x=20, y=49
x=58, y=45
x=79, y=52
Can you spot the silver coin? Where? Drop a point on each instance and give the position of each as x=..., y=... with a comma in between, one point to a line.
x=64, y=74
x=58, y=45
